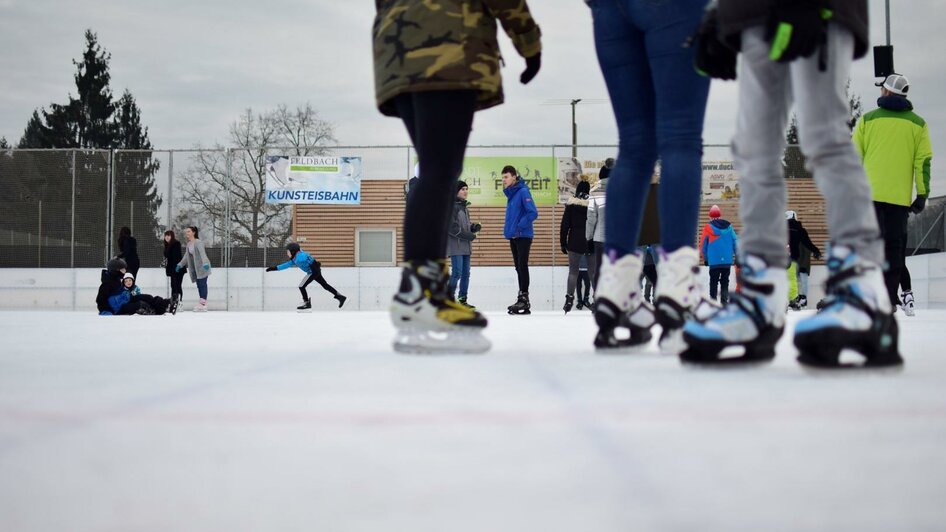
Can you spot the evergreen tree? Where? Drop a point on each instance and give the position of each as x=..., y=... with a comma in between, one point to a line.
x=92, y=120
x=3, y=143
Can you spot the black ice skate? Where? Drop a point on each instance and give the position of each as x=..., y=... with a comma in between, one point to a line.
x=857, y=315
x=341, y=300
x=569, y=301
x=306, y=306
x=172, y=306
x=521, y=306
x=427, y=321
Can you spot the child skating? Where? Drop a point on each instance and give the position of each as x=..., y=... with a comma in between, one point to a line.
x=313, y=271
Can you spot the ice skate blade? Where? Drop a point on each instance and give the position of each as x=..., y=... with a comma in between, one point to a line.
x=691, y=359
x=817, y=366
x=450, y=342
x=304, y=310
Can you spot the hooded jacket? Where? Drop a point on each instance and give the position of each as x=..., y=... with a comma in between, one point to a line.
x=520, y=211
x=446, y=45
x=459, y=237
x=738, y=15
x=719, y=242
x=594, y=225
x=112, y=294
x=301, y=260
x=798, y=237
x=571, y=234
x=894, y=143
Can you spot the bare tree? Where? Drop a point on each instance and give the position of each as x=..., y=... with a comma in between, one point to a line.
x=205, y=186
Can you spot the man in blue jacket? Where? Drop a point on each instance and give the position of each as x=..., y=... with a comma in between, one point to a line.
x=520, y=214
x=718, y=247
x=313, y=271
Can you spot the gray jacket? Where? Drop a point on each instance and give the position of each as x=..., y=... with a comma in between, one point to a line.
x=738, y=15
x=459, y=236
x=195, y=261
x=594, y=224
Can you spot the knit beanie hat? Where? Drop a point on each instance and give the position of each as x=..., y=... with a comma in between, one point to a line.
x=715, y=212
x=460, y=185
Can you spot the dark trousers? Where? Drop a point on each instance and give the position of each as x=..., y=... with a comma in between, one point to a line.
x=719, y=276
x=158, y=304
x=439, y=124
x=893, y=228
x=599, y=252
x=177, y=279
x=906, y=285
x=520, y=257
x=584, y=285
x=316, y=276
x=650, y=273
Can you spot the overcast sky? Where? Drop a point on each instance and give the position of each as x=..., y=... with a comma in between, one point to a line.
x=195, y=66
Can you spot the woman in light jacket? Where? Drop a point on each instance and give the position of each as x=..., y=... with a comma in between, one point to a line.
x=198, y=264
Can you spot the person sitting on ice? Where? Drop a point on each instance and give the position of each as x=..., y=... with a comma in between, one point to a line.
x=129, y=283
x=313, y=270
x=115, y=299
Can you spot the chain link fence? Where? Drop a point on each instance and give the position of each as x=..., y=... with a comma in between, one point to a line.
x=64, y=208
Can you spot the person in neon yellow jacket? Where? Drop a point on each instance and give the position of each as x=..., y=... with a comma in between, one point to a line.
x=894, y=144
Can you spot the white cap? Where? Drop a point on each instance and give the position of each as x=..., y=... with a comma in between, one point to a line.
x=789, y=215
x=896, y=83
x=128, y=276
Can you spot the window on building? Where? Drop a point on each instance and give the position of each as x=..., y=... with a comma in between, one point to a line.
x=375, y=247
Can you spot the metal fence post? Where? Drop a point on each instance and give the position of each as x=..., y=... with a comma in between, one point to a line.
x=226, y=244
x=72, y=238
x=39, y=237
x=170, y=203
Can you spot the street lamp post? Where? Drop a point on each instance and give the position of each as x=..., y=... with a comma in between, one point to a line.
x=574, y=130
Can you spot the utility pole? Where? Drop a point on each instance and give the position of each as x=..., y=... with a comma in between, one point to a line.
x=887, y=7
x=574, y=129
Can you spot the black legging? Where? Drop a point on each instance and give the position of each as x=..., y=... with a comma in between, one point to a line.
x=438, y=123
x=893, y=228
x=176, y=280
x=316, y=276
x=520, y=257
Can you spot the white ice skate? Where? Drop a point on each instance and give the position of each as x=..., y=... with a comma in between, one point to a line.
x=907, y=300
x=427, y=322
x=677, y=295
x=752, y=321
x=618, y=304
x=857, y=316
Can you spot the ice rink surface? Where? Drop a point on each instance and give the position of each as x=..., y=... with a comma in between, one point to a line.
x=309, y=422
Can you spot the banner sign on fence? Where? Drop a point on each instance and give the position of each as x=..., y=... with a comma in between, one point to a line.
x=484, y=177
x=313, y=179
x=720, y=181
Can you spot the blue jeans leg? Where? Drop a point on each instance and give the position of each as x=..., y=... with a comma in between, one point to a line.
x=202, y=288
x=460, y=274
x=659, y=102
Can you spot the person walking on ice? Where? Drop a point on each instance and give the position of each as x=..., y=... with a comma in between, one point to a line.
x=313, y=271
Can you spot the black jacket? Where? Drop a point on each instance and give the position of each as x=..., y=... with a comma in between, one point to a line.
x=572, y=230
x=798, y=236
x=738, y=15
x=173, y=254
x=111, y=285
x=129, y=253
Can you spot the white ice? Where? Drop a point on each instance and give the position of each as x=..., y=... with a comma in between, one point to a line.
x=310, y=422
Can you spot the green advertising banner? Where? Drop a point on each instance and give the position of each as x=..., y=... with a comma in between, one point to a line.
x=484, y=177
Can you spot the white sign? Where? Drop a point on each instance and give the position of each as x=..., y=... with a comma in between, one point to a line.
x=313, y=179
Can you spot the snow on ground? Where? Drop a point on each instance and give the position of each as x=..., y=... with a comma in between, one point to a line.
x=309, y=422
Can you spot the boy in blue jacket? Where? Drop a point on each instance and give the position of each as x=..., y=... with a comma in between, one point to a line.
x=313, y=271
x=718, y=247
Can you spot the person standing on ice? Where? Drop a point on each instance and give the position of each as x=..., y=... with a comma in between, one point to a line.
x=718, y=247
x=572, y=238
x=460, y=245
x=520, y=215
x=798, y=51
x=197, y=263
x=128, y=250
x=313, y=270
x=658, y=102
x=894, y=144
x=800, y=250
x=435, y=65
x=172, y=256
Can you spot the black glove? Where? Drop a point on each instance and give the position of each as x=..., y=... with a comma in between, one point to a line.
x=591, y=247
x=475, y=228
x=564, y=249
x=271, y=269
x=796, y=28
x=918, y=205
x=713, y=58
x=532, y=68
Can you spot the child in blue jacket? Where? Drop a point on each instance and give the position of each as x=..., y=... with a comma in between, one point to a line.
x=313, y=270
